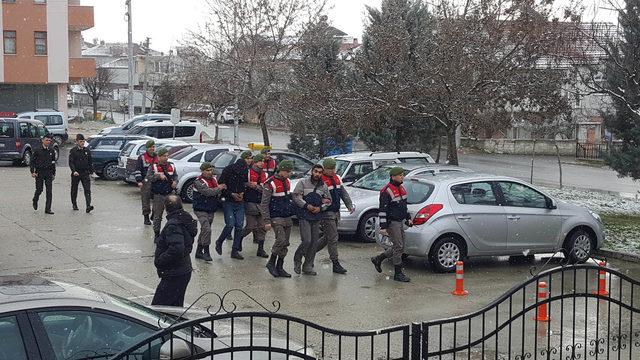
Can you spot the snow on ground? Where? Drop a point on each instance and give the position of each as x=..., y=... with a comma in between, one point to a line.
x=601, y=203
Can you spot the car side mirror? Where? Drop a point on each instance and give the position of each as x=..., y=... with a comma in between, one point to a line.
x=175, y=349
x=551, y=204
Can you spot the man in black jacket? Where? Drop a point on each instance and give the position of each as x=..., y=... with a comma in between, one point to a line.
x=173, y=254
x=81, y=169
x=234, y=176
x=43, y=169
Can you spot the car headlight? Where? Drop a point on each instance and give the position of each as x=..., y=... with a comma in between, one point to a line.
x=595, y=216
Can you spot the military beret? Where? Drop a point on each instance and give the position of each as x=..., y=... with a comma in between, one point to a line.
x=258, y=157
x=396, y=171
x=246, y=154
x=329, y=163
x=162, y=151
x=285, y=165
x=150, y=143
x=79, y=137
x=206, y=166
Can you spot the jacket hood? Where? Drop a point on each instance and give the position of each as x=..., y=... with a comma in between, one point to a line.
x=184, y=218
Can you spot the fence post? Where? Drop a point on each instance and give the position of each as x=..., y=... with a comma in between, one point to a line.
x=416, y=340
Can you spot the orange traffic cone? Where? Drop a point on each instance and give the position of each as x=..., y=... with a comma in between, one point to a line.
x=459, y=290
x=543, y=293
x=602, y=281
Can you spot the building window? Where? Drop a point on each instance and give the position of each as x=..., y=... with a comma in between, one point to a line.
x=9, y=41
x=41, y=42
x=40, y=1
x=8, y=1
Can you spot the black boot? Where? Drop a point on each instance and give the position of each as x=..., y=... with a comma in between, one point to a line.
x=199, y=253
x=35, y=204
x=147, y=221
x=206, y=255
x=261, y=253
x=280, y=268
x=236, y=255
x=377, y=262
x=75, y=207
x=337, y=268
x=271, y=266
x=89, y=209
x=219, y=247
x=399, y=275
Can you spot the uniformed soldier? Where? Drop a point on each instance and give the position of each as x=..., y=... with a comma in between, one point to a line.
x=206, y=194
x=393, y=214
x=269, y=165
x=256, y=178
x=142, y=169
x=43, y=169
x=331, y=217
x=163, y=178
x=277, y=209
x=312, y=197
x=81, y=167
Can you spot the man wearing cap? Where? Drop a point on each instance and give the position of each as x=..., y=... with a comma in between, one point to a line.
x=43, y=169
x=331, y=217
x=235, y=177
x=312, y=197
x=269, y=164
x=277, y=209
x=393, y=214
x=163, y=178
x=206, y=194
x=81, y=168
x=256, y=178
x=144, y=162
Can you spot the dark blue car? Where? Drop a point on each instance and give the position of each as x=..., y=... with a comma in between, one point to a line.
x=19, y=138
x=105, y=150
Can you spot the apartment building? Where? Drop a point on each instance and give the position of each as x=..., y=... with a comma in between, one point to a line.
x=41, y=46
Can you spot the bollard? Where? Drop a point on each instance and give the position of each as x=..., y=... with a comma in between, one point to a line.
x=602, y=281
x=459, y=290
x=542, y=316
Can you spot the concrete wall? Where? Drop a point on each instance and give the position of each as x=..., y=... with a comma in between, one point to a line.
x=58, y=41
x=521, y=147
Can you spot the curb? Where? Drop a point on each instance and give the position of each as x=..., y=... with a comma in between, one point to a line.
x=618, y=255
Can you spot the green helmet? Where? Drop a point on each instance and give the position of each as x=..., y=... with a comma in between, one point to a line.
x=206, y=166
x=258, y=158
x=149, y=143
x=285, y=165
x=329, y=163
x=396, y=171
x=162, y=151
x=246, y=154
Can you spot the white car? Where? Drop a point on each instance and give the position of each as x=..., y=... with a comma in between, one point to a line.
x=188, y=160
x=187, y=130
x=128, y=158
x=54, y=121
x=127, y=125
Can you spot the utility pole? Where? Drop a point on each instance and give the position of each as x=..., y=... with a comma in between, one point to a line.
x=147, y=44
x=131, y=63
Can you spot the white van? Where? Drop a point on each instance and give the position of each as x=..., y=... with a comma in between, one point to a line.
x=190, y=131
x=54, y=121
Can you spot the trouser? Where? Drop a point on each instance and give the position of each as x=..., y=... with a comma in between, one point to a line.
x=309, y=234
x=255, y=224
x=205, y=219
x=329, y=226
x=145, y=195
x=86, y=186
x=233, y=219
x=396, y=234
x=158, y=210
x=48, y=183
x=282, y=230
x=171, y=290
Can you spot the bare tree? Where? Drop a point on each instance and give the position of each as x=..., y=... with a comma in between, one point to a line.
x=98, y=86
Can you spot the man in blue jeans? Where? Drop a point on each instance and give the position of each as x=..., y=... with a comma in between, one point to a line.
x=234, y=176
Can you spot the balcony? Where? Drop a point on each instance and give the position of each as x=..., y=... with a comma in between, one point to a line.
x=81, y=68
x=80, y=17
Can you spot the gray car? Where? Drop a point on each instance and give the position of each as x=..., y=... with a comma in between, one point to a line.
x=129, y=124
x=461, y=215
x=365, y=195
x=43, y=319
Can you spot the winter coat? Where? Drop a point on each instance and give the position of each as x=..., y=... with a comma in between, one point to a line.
x=174, y=245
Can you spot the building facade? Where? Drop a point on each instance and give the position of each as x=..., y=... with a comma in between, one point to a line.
x=41, y=46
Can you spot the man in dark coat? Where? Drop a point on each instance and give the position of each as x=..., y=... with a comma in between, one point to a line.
x=173, y=254
x=81, y=167
x=43, y=169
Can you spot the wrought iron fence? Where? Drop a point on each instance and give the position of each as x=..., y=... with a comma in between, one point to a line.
x=595, y=151
x=591, y=313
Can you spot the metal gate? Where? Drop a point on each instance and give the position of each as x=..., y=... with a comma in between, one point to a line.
x=593, y=313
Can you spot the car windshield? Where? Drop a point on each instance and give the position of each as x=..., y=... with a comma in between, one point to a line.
x=374, y=180
x=341, y=166
x=126, y=151
x=183, y=153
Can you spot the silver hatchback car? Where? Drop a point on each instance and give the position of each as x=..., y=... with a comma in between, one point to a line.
x=461, y=215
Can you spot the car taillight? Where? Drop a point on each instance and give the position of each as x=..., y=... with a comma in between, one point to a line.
x=18, y=145
x=426, y=213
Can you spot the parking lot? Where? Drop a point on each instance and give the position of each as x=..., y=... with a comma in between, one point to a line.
x=111, y=250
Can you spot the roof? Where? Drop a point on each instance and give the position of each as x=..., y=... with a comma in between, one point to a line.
x=379, y=155
x=466, y=176
x=23, y=288
x=116, y=50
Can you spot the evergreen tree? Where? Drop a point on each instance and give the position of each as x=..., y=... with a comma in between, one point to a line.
x=623, y=85
x=165, y=97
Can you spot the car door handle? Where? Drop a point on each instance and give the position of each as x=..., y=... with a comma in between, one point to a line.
x=464, y=217
x=513, y=217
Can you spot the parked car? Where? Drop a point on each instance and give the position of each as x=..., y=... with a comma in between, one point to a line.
x=188, y=160
x=227, y=115
x=460, y=215
x=301, y=165
x=55, y=121
x=105, y=150
x=188, y=130
x=127, y=125
x=128, y=157
x=365, y=195
x=20, y=137
x=43, y=319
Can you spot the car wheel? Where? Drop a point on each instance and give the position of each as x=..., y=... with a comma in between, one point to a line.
x=445, y=253
x=187, y=191
x=26, y=158
x=367, y=227
x=579, y=246
x=110, y=171
x=56, y=153
x=58, y=139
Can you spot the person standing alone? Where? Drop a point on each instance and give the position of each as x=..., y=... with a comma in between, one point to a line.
x=43, y=169
x=81, y=168
x=163, y=179
x=144, y=162
x=206, y=194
